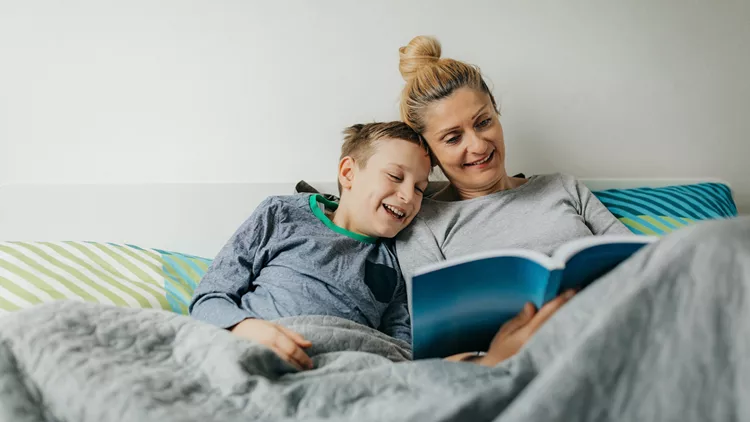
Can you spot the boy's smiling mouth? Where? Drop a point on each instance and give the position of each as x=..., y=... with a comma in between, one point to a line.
x=395, y=212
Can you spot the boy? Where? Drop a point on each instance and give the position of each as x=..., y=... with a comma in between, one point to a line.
x=304, y=255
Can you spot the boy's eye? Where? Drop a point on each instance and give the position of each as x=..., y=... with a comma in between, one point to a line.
x=420, y=190
x=484, y=123
x=394, y=177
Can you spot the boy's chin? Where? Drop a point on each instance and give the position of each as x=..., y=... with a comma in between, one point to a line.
x=387, y=232
x=386, y=228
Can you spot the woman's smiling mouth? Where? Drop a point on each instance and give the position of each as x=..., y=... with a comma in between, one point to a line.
x=482, y=161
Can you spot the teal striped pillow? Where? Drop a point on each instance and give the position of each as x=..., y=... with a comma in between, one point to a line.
x=657, y=211
x=183, y=273
x=115, y=274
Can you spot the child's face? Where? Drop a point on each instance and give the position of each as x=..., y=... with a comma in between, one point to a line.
x=386, y=194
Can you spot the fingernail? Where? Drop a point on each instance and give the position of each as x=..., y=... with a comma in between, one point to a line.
x=569, y=294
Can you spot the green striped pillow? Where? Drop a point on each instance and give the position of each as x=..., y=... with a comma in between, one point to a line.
x=657, y=211
x=115, y=274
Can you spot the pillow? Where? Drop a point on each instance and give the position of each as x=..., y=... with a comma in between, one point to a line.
x=651, y=211
x=115, y=274
x=658, y=211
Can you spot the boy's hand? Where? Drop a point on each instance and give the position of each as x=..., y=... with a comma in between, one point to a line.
x=516, y=332
x=285, y=342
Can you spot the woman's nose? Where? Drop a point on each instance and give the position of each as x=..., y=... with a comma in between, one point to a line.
x=475, y=144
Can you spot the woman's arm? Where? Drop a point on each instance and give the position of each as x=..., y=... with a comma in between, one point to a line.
x=597, y=216
x=514, y=334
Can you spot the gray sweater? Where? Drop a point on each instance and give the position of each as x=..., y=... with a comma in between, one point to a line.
x=289, y=259
x=540, y=215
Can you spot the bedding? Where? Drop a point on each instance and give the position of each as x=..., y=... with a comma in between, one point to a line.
x=662, y=337
x=658, y=211
x=108, y=273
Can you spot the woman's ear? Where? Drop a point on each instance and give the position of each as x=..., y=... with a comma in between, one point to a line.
x=346, y=172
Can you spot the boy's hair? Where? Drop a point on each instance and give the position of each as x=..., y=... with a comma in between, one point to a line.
x=359, y=140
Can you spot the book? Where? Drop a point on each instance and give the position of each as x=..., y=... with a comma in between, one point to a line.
x=458, y=305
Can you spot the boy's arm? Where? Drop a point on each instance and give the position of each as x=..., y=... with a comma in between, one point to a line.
x=396, y=321
x=217, y=298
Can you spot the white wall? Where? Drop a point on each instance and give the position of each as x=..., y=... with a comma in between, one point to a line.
x=259, y=91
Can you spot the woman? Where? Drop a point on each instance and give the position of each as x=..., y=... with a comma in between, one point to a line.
x=483, y=208
x=448, y=103
x=672, y=316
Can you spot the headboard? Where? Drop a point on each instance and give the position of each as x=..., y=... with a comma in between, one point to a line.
x=194, y=218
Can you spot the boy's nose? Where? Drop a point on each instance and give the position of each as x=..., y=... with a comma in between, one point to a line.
x=405, y=195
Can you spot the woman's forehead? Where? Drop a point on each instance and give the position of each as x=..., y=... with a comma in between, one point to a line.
x=463, y=106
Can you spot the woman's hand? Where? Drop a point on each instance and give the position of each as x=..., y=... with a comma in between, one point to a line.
x=283, y=341
x=516, y=332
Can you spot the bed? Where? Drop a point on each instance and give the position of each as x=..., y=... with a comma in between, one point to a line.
x=194, y=218
x=148, y=245
x=114, y=249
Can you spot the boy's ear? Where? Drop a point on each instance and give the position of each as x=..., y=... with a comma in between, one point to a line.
x=346, y=172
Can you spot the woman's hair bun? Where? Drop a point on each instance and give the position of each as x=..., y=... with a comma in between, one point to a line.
x=421, y=51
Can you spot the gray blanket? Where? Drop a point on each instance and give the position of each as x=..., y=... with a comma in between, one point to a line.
x=665, y=336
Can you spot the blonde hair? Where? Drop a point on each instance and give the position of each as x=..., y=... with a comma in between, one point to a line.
x=430, y=78
x=359, y=140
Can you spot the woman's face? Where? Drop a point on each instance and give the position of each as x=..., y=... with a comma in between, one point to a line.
x=464, y=133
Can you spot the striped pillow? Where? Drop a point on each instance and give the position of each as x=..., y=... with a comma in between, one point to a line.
x=657, y=211
x=115, y=274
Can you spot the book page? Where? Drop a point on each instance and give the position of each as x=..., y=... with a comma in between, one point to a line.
x=593, y=262
x=530, y=255
x=565, y=252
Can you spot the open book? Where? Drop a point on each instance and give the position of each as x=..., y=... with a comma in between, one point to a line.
x=459, y=305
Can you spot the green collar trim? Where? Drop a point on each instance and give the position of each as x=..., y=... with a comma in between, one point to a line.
x=315, y=207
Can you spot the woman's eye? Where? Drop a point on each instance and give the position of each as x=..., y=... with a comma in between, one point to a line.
x=453, y=140
x=484, y=123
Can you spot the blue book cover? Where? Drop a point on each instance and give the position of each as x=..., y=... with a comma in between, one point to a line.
x=459, y=305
